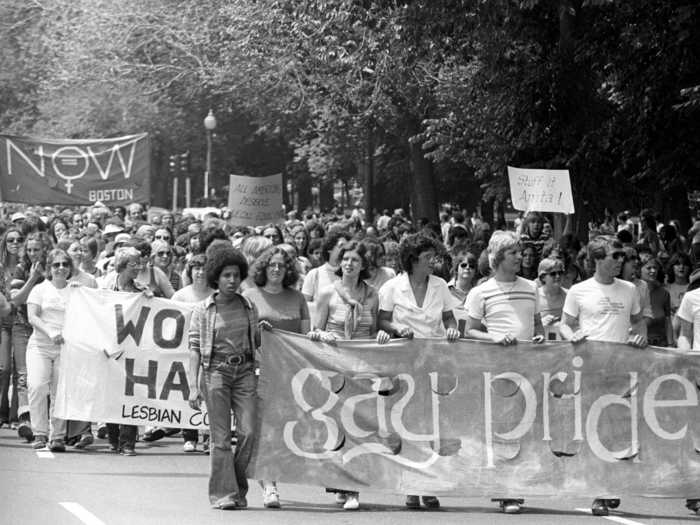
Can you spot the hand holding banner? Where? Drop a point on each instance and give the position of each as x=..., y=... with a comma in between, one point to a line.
x=540, y=190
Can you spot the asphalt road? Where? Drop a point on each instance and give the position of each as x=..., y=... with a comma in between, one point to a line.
x=164, y=485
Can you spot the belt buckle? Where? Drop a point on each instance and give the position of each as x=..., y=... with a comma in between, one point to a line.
x=235, y=360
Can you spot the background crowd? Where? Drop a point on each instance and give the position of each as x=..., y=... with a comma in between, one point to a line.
x=334, y=276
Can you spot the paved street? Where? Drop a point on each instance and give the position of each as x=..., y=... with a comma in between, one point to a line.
x=164, y=485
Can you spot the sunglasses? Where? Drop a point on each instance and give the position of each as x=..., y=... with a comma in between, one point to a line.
x=464, y=265
x=61, y=264
x=163, y=237
x=163, y=254
x=15, y=240
x=556, y=273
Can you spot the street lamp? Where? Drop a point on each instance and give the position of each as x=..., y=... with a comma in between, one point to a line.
x=209, y=124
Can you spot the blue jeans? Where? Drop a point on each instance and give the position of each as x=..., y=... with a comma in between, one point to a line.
x=230, y=388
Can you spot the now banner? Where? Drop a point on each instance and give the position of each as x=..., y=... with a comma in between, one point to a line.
x=472, y=418
x=125, y=360
x=75, y=172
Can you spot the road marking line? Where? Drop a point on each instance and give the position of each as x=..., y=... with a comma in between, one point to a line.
x=81, y=513
x=616, y=519
x=44, y=454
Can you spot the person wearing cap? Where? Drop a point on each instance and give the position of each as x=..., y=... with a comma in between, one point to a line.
x=604, y=308
x=17, y=218
x=551, y=295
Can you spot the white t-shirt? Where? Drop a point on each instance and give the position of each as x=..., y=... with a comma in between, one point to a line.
x=603, y=310
x=505, y=307
x=317, y=279
x=690, y=311
x=396, y=296
x=52, y=303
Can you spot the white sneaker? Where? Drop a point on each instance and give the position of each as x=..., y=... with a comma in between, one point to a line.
x=271, y=498
x=352, y=502
x=189, y=446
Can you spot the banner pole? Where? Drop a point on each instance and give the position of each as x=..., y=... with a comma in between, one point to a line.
x=175, y=194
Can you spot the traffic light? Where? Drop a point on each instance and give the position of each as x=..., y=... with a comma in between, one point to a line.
x=172, y=165
x=185, y=163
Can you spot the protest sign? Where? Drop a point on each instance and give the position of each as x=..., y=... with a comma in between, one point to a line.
x=255, y=200
x=125, y=361
x=75, y=172
x=540, y=190
x=473, y=418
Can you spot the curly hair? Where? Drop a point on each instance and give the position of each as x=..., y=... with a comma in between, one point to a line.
x=361, y=249
x=259, y=267
x=331, y=240
x=412, y=246
x=219, y=258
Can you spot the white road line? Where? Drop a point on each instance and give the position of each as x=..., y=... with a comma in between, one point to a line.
x=616, y=519
x=44, y=453
x=81, y=513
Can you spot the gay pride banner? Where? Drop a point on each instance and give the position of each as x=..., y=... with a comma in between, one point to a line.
x=471, y=418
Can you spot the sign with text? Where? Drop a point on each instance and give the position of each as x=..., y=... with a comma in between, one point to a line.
x=254, y=201
x=125, y=361
x=473, y=418
x=540, y=190
x=75, y=172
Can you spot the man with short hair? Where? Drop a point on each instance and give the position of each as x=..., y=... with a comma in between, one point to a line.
x=604, y=308
x=505, y=308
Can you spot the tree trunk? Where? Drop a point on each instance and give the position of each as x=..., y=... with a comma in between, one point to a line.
x=326, y=199
x=369, y=177
x=423, y=202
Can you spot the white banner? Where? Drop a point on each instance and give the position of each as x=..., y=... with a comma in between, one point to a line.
x=255, y=201
x=125, y=360
x=540, y=190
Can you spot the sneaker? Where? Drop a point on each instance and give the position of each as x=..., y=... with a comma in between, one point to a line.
x=511, y=506
x=189, y=446
x=431, y=502
x=85, y=441
x=113, y=447
x=271, y=498
x=599, y=508
x=40, y=441
x=340, y=498
x=57, y=445
x=693, y=505
x=24, y=430
x=102, y=431
x=413, y=502
x=352, y=502
x=128, y=451
x=154, y=435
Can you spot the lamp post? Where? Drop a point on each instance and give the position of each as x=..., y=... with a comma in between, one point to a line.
x=209, y=124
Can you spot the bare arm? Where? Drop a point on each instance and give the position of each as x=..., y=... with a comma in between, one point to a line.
x=385, y=322
x=685, y=339
x=34, y=316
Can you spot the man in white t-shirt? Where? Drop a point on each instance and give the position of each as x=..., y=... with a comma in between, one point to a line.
x=604, y=308
x=505, y=308
x=689, y=316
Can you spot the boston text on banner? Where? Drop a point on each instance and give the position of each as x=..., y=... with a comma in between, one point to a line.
x=473, y=418
x=75, y=172
x=255, y=200
x=126, y=360
x=540, y=190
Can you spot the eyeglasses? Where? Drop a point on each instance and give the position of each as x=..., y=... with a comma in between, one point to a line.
x=15, y=240
x=278, y=266
x=163, y=237
x=556, y=273
x=163, y=254
x=465, y=265
x=60, y=264
x=617, y=255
